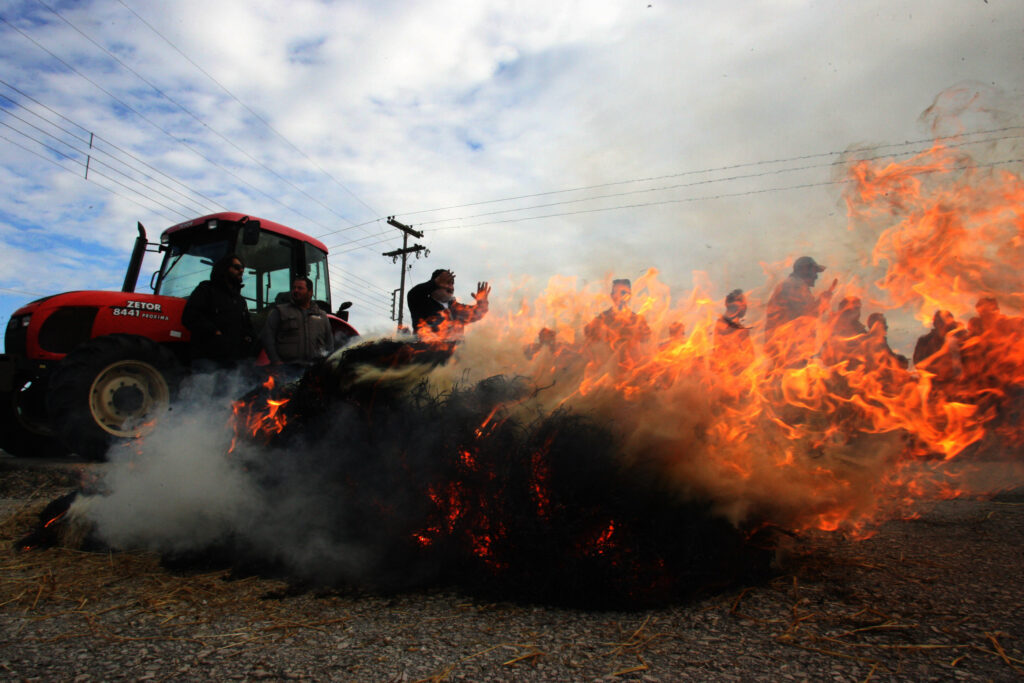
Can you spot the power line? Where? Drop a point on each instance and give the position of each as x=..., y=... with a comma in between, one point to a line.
x=369, y=298
x=165, y=132
x=677, y=186
x=356, y=240
x=678, y=201
x=354, y=246
x=703, y=198
x=369, y=307
x=369, y=303
x=730, y=167
x=358, y=294
x=384, y=294
x=372, y=236
x=83, y=152
x=87, y=154
x=119, y=149
x=378, y=242
x=114, y=192
x=352, y=227
x=111, y=144
x=82, y=164
x=20, y=292
x=248, y=109
x=352, y=276
x=190, y=113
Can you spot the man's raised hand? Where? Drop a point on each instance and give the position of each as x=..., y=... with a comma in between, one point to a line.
x=483, y=290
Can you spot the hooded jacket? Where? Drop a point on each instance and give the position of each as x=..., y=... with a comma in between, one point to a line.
x=216, y=305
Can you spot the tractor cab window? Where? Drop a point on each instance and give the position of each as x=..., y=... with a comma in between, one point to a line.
x=188, y=263
x=316, y=269
x=269, y=265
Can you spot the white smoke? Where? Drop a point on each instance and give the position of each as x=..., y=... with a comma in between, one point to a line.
x=191, y=486
x=177, y=489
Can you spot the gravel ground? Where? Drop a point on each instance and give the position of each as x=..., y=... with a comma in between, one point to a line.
x=936, y=598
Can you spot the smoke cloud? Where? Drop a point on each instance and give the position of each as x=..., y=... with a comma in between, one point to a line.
x=531, y=459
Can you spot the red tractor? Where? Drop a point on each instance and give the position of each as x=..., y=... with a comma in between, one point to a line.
x=85, y=369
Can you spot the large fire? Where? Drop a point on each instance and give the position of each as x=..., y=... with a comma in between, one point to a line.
x=819, y=423
x=813, y=422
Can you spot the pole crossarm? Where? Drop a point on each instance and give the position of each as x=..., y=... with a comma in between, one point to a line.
x=406, y=250
x=404, y=228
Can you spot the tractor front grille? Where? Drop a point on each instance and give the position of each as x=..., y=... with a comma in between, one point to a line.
x=66, y=328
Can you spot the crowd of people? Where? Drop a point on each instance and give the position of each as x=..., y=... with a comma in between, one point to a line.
x=801, y=324
x=298, y=332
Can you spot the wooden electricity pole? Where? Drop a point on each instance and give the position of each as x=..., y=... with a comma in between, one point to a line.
x=404, y=253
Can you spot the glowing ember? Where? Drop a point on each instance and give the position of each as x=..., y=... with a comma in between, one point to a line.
x=259, y=415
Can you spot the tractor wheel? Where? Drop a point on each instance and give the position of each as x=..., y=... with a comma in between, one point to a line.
x=21, y=436
x=110, y=389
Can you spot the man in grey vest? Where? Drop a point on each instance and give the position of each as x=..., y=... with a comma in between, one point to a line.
x=298, y=331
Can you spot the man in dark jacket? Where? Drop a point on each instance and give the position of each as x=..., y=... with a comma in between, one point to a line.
x=938, y=352
x=434, y=310
x=217, y=316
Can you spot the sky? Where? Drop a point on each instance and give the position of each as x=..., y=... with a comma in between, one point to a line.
x=527, y=140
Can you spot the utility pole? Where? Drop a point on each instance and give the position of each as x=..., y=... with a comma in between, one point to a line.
x=404, y=253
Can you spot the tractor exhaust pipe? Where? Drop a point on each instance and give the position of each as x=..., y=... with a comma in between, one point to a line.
x=131, y=277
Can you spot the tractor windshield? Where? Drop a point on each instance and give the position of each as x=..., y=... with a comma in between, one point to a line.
x=188, y=262
x=269, y=264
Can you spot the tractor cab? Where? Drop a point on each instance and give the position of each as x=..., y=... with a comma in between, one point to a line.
x=273, y=254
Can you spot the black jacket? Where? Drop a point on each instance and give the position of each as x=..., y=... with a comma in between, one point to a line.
x=431, y=318
x=422, y=306
x=215, y=306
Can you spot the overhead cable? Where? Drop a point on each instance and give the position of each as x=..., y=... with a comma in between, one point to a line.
x=97, y=137
x=112, y=191
x=193, y=115
x=730, y=167
x=180, y=141
x=248, y=109
x=87, y=153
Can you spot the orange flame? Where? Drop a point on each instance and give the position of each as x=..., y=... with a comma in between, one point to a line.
x=816, y=423
x=260, y=417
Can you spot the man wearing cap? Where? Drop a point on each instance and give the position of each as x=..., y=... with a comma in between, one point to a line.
x=793, y=298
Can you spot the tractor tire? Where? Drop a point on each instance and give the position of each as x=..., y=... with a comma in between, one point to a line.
x=110, y=389
x=22, y=438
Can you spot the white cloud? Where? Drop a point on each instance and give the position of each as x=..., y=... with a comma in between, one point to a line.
x=419, y=106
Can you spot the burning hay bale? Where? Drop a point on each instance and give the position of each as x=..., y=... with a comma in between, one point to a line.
x=466, y=487
x=376, y=480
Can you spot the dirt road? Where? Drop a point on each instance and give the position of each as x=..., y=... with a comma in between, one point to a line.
x=936, y=598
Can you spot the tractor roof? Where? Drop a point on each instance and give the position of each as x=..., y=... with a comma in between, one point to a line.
x=277, y=228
